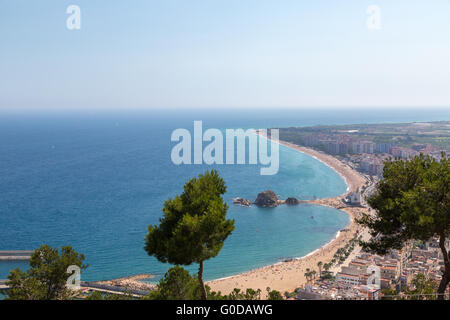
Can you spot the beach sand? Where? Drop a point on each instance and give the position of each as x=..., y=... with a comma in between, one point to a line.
x=287, y=276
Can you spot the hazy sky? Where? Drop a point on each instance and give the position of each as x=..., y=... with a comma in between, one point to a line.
x=223, y=53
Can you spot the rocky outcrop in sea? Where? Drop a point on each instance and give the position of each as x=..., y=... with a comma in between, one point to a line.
x=291, y=201
x=266, y=199
x=242, y=202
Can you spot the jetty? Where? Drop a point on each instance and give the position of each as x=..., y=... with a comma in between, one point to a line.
x=118, y=290
x=15, y=255
x=92, y=286
x=3, y=285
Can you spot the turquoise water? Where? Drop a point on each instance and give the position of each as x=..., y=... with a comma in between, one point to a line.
x=96, y=182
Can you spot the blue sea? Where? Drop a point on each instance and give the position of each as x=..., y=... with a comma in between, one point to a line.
x=96, y=180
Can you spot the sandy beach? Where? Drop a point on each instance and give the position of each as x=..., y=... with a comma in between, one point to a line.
x=287, y=276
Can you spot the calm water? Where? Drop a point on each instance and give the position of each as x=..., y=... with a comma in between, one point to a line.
x=96, y=182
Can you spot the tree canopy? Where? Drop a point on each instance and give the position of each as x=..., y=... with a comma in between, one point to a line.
x=47, y=276
x=177, y=284
x=194, y=226
x=422, y=288
x=412, y=201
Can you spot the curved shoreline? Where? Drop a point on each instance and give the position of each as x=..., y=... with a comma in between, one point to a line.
x=314, y=157
x=287, y=276
x=336, y=236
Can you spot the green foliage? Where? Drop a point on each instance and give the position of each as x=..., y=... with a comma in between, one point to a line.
x=24, y=287
x=342, y=254
x=412, y=202
x=96, y=295
x=288, y=294
x=194, y=226
x=273, y=294
x=177, y=284
x=236, y=294
x=251, y=294
x=46, y=279
x=308, y=275
x=213, y=295
x=327, y=276
x=389, y=294
x=421, y=285
x=320, y=265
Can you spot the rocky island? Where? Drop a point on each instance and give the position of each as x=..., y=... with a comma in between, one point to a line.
x=267, y=199
x=291, y=201
x=242, y=202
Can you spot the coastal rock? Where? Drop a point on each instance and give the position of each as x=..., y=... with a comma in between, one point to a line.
x=267, y=199
x=291, y=201
x=130, y=283
x=242, y=202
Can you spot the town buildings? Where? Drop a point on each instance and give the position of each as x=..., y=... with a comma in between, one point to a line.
x=396, y=271
x=368, y=156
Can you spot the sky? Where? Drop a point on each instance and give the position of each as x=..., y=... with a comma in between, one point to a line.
x=144, y=54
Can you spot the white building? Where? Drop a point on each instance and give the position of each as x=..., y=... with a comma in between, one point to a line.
x=348, y=279
x=354, y=198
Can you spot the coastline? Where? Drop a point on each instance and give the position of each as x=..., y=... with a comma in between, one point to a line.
x=287, y=276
